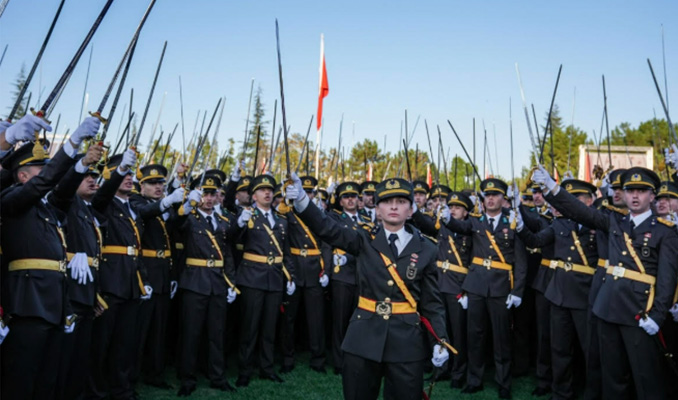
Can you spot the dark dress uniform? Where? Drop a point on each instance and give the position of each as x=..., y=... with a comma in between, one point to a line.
x=204, y=282
x=385, y=337
x=121, y=273
x=34, y=273
x=635, y=284
x=488, y=283
x=573, y=264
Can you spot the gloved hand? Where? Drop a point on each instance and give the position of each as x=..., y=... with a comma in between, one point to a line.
x=25, y=128
x=332, y=188
x=671, y=158
x=149, y=292
x=245, y=216
x=513, y=301
x=230, y=298
x=235, y=175
x=80, y=270
x=4, y=331
x=4, y=125
x=339, y=259
x=520, y=224
x=295, y=191
x=175, y=197
x=648, y=325
x=543, y=179
x=86, y=130
x=194, y=197
x=440, y=356
x=324, y=280
x=129, y=158
x=445, y=214
x=174, y=285
x=674, y=312
x=291, y=287
x=69, y=326
x=463, y=301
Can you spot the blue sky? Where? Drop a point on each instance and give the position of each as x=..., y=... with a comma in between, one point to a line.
x=438, y=59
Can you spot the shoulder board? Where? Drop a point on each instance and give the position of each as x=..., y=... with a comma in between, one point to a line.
x=337, y=211
x=428, y=213
x=622, y=211
x=547, y=216
x=279, y=215
x=477, y=215
x=366, y=219
x=434, y=240
x=666, y=222
x=222, y=217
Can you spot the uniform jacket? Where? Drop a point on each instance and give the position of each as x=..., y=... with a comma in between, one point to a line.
x=308, y=269
x=347, y=272
x=538, y=275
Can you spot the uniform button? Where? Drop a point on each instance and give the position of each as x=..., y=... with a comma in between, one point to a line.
x=647, y=292
x=624, y=253
x=358, y=316
x=449, y=251
x=387, y=300
x=305, y=246
x=390, y=282
x=571, y=247
x=386, y=317
x=569, y=258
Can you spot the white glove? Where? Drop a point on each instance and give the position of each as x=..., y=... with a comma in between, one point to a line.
x=194, y=196
x=4, y=125
x=174, y=285
x=445, y=214
x=69, y=328
x=671, y=158
x=177, y=196
x=324, y=280
x=291, y=287
x=149, y=292
x=245, y=216
x=235, y=175
x=510, y=192
x=4, y=331
x=463, y=301
x=543, y=179
x=80, y=270
x=230, y=298
x=339, y=259
x=513, y=301
x=649, y=325
x=440, y=356
x=86, y=130
x=129, y=158
x=674, y=312
x=316, y=201
x=295, y=191
x=25, y=128
x=515, y=216
x=332, y=188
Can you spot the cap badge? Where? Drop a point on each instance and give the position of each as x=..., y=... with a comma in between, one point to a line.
x=392, y=184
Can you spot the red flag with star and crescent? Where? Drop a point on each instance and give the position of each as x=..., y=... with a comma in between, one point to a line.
x=324, y=87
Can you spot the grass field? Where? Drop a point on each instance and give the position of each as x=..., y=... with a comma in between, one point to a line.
x=304, y=383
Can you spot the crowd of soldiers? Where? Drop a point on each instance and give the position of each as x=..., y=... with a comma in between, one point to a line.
x=111, y=270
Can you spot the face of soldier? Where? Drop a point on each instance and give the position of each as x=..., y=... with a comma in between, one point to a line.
x=420, y=200
x=393, y=212
x=126, y=186
x=310, y=194
x=538, y=199
x=152, y=190
x=368, y=200
x=458, y=212
x=263, y=197
x=429, y=205
x=243, y=198
x=26, y=173
x=436, y=201
x=87, y=188
x=663, y=206
x=586, y=199
x=638, y=200
x=349, y=202
x=208, y=201
x=493, y=202
x=220, y=197
x=619, y=198
x=276, y=201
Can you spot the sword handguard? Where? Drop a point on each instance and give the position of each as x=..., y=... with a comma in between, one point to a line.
x=98, y=116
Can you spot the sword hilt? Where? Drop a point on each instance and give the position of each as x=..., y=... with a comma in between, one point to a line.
x=97, y=115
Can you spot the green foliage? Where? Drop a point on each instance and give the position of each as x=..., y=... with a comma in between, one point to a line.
x=18, y=85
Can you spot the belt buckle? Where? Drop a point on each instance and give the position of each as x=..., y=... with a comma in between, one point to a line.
x=270, y=260
x=95, y=262
x=131, y=251
x=160, y=254
x=62, y=265
x=211, y=263
x=553, y=264
x=487, y=263
x=567, y=266
x=303, y=252
x=445, y=266
x=383, y=308
x=618, y=272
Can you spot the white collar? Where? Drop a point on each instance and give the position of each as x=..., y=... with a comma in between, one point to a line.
x=640, y=218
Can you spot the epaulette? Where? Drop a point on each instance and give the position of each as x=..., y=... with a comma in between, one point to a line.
x=222, y=217
x=429, y=214
x=477, y=215
x=434, y=240
x=549, y=217
x=337, y=211
x=281, y=215
x=622, y=211
x=666, y=222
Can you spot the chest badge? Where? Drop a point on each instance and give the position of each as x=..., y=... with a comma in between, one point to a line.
x=411, y=272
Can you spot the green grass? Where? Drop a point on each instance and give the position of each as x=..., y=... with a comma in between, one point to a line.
x=304, y=383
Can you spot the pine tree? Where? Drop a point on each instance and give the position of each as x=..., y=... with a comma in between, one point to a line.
x=18, y=85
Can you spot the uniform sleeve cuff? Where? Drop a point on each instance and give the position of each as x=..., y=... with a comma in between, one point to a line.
x=69, y=149
x=300, y=205
x=80, y=167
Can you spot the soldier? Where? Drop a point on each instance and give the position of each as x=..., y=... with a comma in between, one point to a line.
x=454, y=257
x=367, y=189
x=34, y=251
x=123, y=282
x=310, y=279
x=344, y=290
x=573, y=264
x=637, y=290
x=206, y=283
x=266, y=266
x=421, y=190
x=156, y=251
x=667, y=200
x=494, y=284
x=384, y=338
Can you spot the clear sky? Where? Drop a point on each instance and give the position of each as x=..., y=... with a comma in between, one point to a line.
x=438, y=59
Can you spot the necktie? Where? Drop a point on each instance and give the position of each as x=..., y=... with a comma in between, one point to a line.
x=391, y=242
x=268, y=220
x=209, y=221
x=633, y=227
x=129, y=210
x=355, y=219
x=491, y=222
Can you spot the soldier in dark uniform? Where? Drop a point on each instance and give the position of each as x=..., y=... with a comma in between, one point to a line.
x=573, y=264
x=123, y=281
x=156, y=251
x=494, y=284
x=385, y=338
x=206, y=283
x=454, y=257
x=637, y=290
x=666, y=201
x=266, y=270
x=310, y=279
x=421, y=190
x=367, y=189
x=344, y=290
x=34, y=259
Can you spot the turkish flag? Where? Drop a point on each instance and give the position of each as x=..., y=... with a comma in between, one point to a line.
x=324, y=87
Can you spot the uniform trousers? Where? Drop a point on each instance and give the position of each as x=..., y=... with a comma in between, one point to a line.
x=344, y=302
x=361, y=379
x=152, y=325
x=543, y=370
x=75, y=349
x=565, y=324
x=259, y=316
x=457, y=321
x=314, y=304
